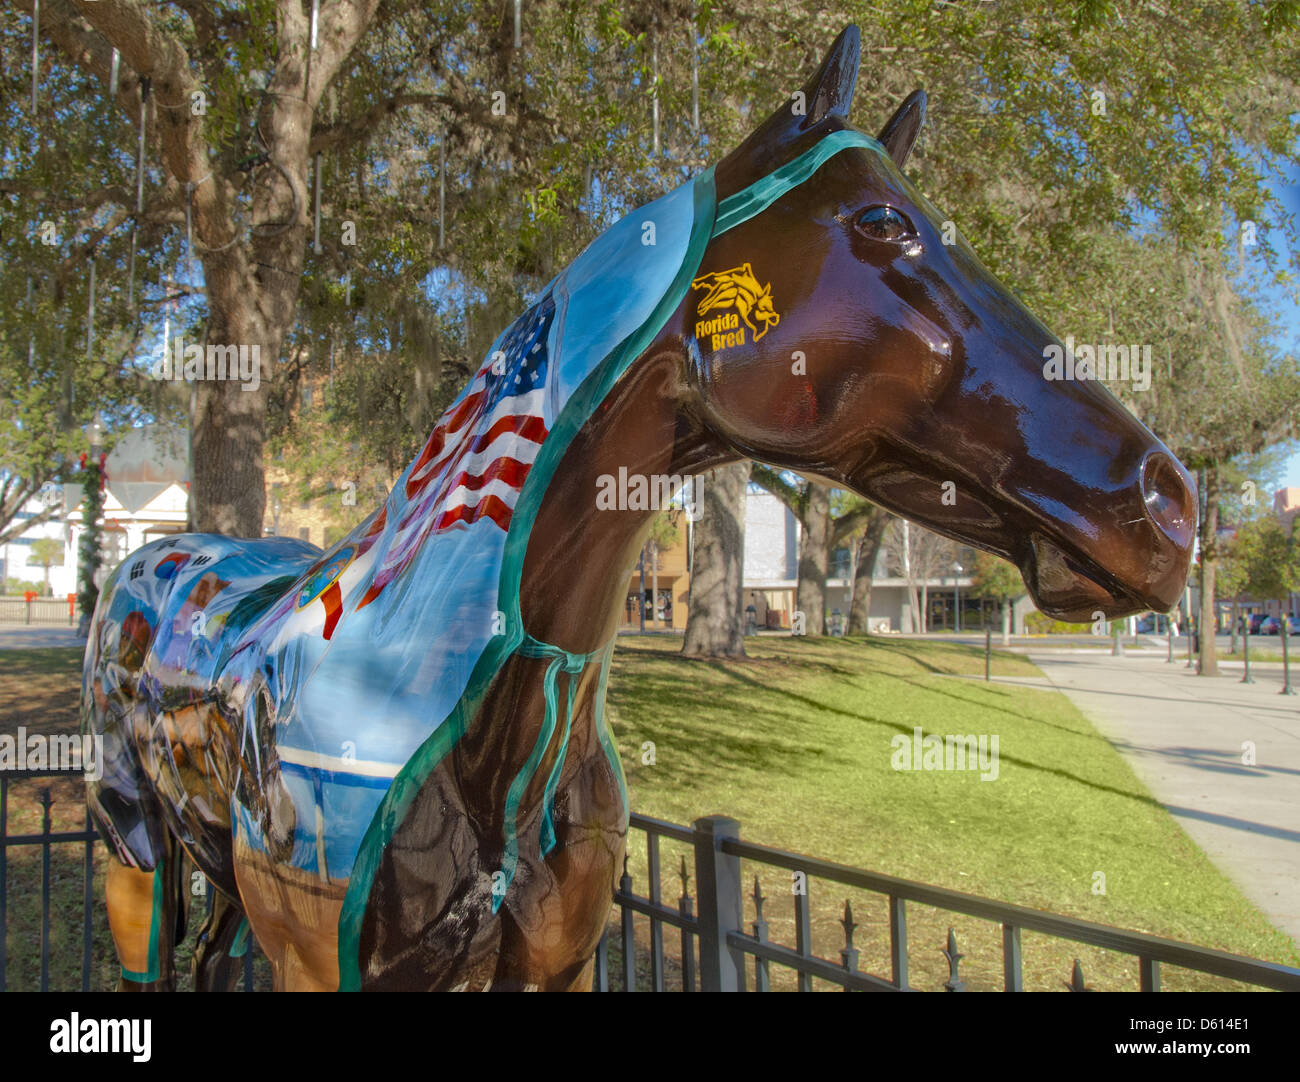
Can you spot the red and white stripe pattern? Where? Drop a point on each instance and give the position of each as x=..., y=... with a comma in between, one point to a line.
x=475, y=462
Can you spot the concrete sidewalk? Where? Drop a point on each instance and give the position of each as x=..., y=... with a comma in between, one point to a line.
x=22, y=637
x=1183, y=736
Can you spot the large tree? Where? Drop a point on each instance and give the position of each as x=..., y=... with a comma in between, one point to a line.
x=866, y=550
x=429, y=123
x=714, y=624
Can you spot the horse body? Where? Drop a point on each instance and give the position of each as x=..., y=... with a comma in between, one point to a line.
x=400, y=787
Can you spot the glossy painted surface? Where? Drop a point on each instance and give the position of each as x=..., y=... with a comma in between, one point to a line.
x=391, y=757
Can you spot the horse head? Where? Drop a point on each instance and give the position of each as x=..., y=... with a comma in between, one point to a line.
x=869, y=347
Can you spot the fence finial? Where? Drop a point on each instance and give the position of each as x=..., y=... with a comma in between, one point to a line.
x=848, y=924
x=1076, y=979
x=953, y=983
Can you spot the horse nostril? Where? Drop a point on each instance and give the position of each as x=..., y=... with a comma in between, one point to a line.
x=1168, y=499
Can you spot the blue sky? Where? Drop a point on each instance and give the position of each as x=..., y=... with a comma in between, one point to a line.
x=1287, y=187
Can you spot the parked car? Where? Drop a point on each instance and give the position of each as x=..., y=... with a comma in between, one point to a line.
x=1271, y=626
x=1153, y=624
x=1256, y=620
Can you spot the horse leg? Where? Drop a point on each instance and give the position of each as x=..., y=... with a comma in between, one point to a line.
x=222, y=944
x=585, y=978
x=143, y=916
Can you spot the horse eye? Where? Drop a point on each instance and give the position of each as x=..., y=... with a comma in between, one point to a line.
x=885, y=223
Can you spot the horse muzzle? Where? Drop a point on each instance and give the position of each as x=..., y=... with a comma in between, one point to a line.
x=1139, y=564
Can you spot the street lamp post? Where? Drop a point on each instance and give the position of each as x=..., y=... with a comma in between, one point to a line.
x=1285, y=629
x=956, y=596
x=1245, y=649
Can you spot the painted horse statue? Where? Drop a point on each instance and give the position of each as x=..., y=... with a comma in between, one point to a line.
x=390, y=759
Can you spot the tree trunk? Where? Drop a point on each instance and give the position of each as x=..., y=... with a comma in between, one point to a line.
x=925, y=608
x=1236, y=616
x=1209, y=563
x=715, y=624
x=868, y=551
x=814, y=559
x=253, y=303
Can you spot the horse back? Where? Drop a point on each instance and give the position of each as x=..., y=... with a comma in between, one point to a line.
x=168, y=620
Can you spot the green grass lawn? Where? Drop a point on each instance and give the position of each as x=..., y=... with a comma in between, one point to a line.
x=795, y=744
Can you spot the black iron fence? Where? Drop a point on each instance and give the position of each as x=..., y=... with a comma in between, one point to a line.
x=713, y=950
x=51, y=899
x=713, y=924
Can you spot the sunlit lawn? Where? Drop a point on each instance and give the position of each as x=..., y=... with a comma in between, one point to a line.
x=795, y=744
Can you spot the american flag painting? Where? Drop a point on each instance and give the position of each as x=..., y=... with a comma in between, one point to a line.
x=476, y=460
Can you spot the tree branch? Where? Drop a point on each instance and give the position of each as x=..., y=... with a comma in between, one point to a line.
x=851, y=521
x=87, y=32
x=349, y=132
x=792, y=496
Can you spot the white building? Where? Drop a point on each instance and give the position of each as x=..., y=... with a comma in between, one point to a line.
x=772, y=569
x=146, y=497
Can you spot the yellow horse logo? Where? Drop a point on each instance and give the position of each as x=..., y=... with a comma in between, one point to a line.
x=739, y=288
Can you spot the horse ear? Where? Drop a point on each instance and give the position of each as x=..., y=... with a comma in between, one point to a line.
x=903, y=127
x=828, y=94
x=830, y=91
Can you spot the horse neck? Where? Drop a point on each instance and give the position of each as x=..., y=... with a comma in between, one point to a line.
x=579, y=557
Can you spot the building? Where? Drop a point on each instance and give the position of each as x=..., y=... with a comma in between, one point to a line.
x=1286, y=505
x=146, y=496
x=661, y=583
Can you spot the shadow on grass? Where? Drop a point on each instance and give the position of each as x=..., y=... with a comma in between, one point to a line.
x=813, y=705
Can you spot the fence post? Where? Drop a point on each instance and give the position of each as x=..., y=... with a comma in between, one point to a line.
x=717, y=878
x=1285, y=629
x=1245, y=649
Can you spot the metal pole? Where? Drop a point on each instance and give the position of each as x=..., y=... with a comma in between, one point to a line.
x=315, y=244
x=1117, y=647
x=695, y=75
x=1169, y=633
x=988, y=650
x=1189, y=639
x=442, y=188
x=640, y=588
x=1287, y=689
x=36, y=51
x=90, y=312
x=1245, y=648
x=139, y=150
x=654, y=69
